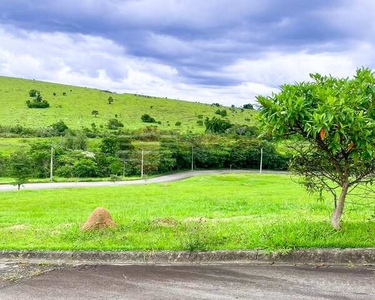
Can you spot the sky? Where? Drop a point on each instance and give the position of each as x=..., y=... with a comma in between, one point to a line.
x=210, y=51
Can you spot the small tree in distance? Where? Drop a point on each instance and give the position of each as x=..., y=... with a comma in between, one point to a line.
x=331, y=122
x=95, y=113
x=248, y=106
x=20, y=168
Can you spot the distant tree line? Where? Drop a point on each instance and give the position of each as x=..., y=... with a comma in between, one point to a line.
x=117, y=155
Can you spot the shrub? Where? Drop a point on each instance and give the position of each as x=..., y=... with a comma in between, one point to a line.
x=248, y=106
x=34, y=93
x=222, y=113
x=37, y=104
x=85, y=168
x=114, y=124
x=216, y=125
x=178, y=123
x=59, y=127
x=148, y=119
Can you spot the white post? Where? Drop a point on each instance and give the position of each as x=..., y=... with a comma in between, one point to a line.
x=261, y=160
x=51, y=166
x=192, y=158
x=142, y=163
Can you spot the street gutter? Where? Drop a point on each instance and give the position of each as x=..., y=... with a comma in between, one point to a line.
x=365, y=256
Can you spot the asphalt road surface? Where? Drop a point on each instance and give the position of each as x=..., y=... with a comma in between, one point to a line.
x=160, y=179
x=219, y=282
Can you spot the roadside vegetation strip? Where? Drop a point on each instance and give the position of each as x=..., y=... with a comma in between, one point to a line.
x=213, y=212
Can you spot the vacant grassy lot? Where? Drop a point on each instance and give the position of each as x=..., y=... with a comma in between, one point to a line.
x=208, y=212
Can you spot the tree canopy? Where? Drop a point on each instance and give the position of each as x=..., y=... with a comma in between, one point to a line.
x=332, y=124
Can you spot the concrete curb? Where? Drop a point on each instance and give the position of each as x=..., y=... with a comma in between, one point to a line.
x=329, y=256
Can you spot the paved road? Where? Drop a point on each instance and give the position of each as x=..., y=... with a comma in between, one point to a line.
x=161, y=179
x=219, y=282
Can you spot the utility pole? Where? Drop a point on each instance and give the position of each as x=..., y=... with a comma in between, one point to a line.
x=261, y=160
x=192, y=158
x=142, y=163
x=51, y=166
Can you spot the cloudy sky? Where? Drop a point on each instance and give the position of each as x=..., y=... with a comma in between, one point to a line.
x=225, y=51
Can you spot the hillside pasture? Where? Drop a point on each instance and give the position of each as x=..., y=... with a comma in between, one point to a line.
x=74, y=105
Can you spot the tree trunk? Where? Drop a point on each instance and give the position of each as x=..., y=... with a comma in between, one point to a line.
x=337, y=213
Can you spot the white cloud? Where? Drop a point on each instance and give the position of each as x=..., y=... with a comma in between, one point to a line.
x=89, y=61
x=102, y=63
x=275, y=69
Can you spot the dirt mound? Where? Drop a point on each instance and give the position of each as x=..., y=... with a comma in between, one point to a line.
x=99, y=218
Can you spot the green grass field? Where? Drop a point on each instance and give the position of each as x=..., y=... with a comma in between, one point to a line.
x=203, y=213
x=76, y=106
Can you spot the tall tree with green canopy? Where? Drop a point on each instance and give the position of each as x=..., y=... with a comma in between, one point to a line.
x=331, y=122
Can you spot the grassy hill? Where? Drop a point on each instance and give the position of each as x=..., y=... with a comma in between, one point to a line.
x=76, y=106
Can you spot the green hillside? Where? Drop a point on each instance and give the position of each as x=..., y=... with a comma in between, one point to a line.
x=76, y=106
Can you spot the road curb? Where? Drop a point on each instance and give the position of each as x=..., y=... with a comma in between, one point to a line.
x=329, y=256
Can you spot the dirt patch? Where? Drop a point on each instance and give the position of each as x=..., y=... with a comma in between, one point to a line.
x=197, y=220
x=228, y=219
x=165, y=222
x=18, y=227
x=100, y=218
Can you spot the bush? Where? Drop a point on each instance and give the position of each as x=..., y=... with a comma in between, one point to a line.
x=38, y=101
x=85, y=168
x=114, y=124
x=34, y=93
x=248, y=106
x=178, y=123
x=148, y=119
x=216, y=125
x=34, y=104
x=59, y=128
x=66, y=171
x=222, y=113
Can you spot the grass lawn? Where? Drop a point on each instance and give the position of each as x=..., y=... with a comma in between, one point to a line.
x=203, y=213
